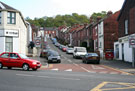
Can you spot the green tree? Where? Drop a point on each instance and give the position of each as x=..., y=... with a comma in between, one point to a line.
x=95, y=15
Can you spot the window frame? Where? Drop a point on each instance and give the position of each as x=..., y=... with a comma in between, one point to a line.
x=126, y=26
x=11, y=17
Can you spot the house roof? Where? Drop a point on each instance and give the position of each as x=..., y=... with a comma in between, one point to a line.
x=122, y=9
x=130, y=3
x=4, y=6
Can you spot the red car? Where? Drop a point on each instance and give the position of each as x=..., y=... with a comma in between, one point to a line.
x=9, y=60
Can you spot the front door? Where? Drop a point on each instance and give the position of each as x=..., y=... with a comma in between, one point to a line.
x=123, y=52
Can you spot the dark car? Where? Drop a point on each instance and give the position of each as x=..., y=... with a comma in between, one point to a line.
x=53, y=56
x=91, y=57
x=44, y=52
x=9, y=60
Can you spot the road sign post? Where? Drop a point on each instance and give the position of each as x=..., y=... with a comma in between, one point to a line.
x=132, y=45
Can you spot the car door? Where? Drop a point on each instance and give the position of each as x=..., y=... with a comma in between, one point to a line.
x=4, y=58
x=15, y=60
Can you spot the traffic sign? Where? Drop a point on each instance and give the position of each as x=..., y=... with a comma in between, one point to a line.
x=132, y=41
x=37, y=42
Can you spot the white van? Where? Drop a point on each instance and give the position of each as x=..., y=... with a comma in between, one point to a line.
x=79, y=52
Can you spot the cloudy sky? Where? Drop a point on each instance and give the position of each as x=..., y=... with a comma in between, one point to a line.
x=40, y=8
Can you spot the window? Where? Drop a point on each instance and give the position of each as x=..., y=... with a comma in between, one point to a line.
x=13, y=56
x=9, y=44
x=126, y=26
x=5, y=55
x=11, y=17
x=0, y=17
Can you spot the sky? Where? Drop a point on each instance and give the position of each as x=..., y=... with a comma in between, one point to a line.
x=51, y=8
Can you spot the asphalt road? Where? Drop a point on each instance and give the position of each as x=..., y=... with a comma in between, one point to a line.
x=79, y=77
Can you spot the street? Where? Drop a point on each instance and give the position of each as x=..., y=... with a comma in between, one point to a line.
x=69, y=75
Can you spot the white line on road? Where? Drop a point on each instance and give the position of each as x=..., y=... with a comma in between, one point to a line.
x=47, y=77
x=69, y=61
x=68, y=70
x=85, y=69
x=75, y=64
x=56, y=69
x=24, y=75
x=59, y=78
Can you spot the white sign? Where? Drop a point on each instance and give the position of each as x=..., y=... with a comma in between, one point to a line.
x=132, y=41
x=13, y=33
x=38, y=42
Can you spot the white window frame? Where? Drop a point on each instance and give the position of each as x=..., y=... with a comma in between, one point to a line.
x=126, y=26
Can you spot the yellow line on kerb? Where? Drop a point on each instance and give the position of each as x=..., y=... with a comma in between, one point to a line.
x=118, y=70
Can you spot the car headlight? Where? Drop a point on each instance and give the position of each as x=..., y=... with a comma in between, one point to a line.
x=34, y=63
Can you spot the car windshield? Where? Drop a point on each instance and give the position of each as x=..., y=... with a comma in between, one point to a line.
x=70, y=48
x=23, y=56
x=81, y=50
x=92, y=54
x=55, y=54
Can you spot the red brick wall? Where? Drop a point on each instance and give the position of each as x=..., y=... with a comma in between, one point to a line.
x=110, y=31
x=132, y=21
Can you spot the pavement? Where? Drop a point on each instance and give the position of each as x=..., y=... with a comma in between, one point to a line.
x=119, y=64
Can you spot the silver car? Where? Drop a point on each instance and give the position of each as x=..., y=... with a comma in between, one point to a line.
x=69, y=50
x=53, y=56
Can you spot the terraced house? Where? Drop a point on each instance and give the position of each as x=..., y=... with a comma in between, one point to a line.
x=13, y=30
x=124, y=47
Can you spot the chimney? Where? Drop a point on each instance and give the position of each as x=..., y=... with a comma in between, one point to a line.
x=109, y=13
x=99, y=18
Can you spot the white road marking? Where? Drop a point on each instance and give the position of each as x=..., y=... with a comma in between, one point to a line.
x=85, y=69
x=96, y=67
x=24, y=75
x=69, y=61
x=56, y=69
x=68, y=70
x=59, y=78
x=48, y=77
x=75, y=64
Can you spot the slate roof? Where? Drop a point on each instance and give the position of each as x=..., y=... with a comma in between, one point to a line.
x=4, y=6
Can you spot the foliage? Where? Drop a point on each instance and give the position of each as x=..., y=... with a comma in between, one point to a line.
x=59, y=20
x=95, y=15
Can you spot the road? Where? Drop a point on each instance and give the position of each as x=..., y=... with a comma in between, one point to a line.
x=70, y=75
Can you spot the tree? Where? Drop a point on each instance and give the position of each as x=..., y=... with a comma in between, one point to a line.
x=95, y=15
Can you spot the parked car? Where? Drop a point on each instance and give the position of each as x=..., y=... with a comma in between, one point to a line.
x=43, y=52
x=70, y=50
x=53, y=56
x=91, y=57
x=9, y=60
x=64, y=48
x=79, y=52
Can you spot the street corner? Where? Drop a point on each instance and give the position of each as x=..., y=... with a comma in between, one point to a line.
x=46, y=66
x=122, y=72
x=114, y=86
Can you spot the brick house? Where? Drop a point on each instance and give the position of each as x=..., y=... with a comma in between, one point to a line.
x=50, y=32
x=105, y=32
x=126, y=29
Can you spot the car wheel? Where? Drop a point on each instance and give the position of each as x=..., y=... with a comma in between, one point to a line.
x=34, y=69
x=1, y=65
x=59, y=61
x=25, y=67
x=86, y=62
x=98, y=62
x=9, y=67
